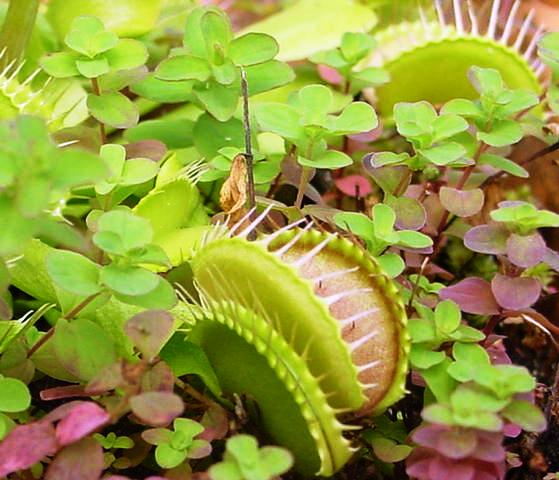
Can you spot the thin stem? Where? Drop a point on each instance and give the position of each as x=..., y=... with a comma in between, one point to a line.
x=71, y=314
x=97, y=91
x=248, y=142
x=303, y=181
x=17, y=28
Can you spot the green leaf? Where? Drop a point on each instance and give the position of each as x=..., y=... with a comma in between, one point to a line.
x=315, y=102
x=216, y=29
x=126, y=55
x=420, y=115
x=128, y=280
x=440, y=383
x=355, y=46
x=267, y=76
x=184, y=67
x=74, y=167
x=253, y=48
x=412, y=239
x=439, y=414
x=502, y=134
x=501, y=163
x=462, y=203
x=383, y=220
x=73, y=272
x=225, y=73
x=388, y=450
x=162, y=91
x=357, y=117
x=93, y=68
x=487, y=81
x=447, y=126
x=331, y=159
x=422, y=357
x=133, y=231
x=14, y=395
x=371, y=76
x=219, y=100
x=113, y=109
x=60, y=65
x=391, y=264
x=138, y=170
x=463, y=107
x=444, y=154
x=167, y=457
x=89, y=37
x=82, y=347
x=357, y=223
x=280, y=119
x=161, y=297
x=186, y=358
x=447, y=317
x=524, y=414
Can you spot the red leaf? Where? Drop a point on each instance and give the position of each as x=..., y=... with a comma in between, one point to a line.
x=83, y=419
x=159, y=378
x=26, y=445
x=329, y=74
x=473, y=295
x=157, y=408
x=352, y=185
x=83, y=460
x=515, y=293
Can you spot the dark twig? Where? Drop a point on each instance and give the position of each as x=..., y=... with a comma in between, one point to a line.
x=248, y=142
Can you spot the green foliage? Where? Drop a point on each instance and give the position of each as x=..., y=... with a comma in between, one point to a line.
x=307, y=122
x=35, y=178
x=379, y=234
x=347, y=59
x=95, y=51
x=211, y=60
x=14, y=396
x=243, y=460
x=523, y=217
x=177, y=445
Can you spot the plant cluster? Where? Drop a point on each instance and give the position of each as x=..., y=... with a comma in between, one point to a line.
x=108, y=309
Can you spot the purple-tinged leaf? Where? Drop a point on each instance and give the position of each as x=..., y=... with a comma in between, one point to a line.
x=490, y=239
x=551, y=257
x=83, y=419
x=107, y=379
x=159, y=378
x=473, y=295
x=157, y=408
x=26, y=445
x=489, y=447
x=370, y=136
x=156, y=436
x=152, y=149
x=149, y=331
x=410, y=213
x=216, y=423
x=462, y=203
x=329, y=74
x=354, y=186
x=526, y=250
x=389, y=179
x=83, y=460
x=450, y=442
x=515, y=293
x=66, y=391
